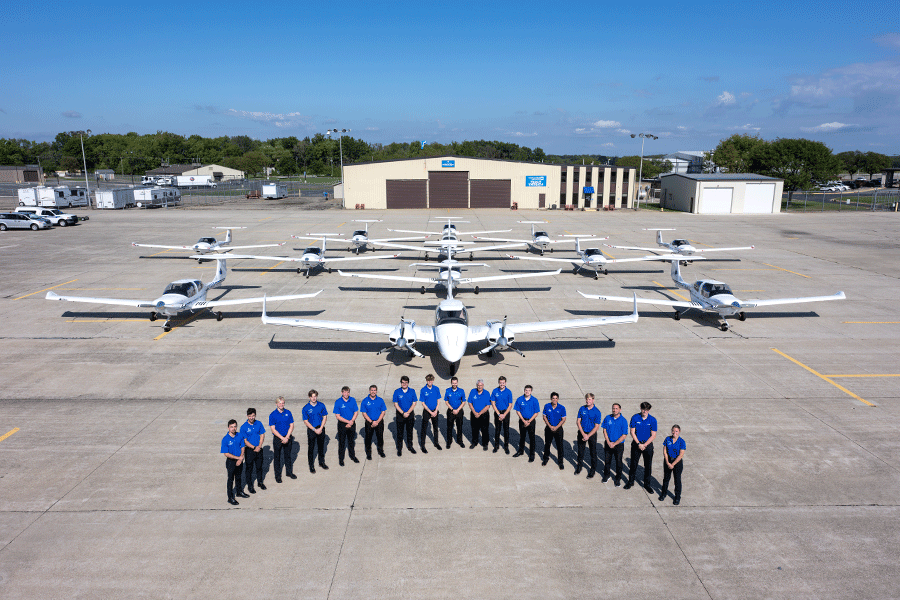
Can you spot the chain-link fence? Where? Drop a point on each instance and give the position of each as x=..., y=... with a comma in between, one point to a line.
x=872, y=200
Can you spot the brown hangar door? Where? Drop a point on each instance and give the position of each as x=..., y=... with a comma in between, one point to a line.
x=407, y=193
x=491, y=193
x=448, y=189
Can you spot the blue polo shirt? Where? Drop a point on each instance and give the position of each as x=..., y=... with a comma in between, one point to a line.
x=281, y=420
x=479, y=401
x=430, y=396
x=455, y=398
x=233, y=445
x=251, y=433
x=615, y=428
x=346, y=409
x=405, y=399
x=501, y=399
x=314, y=413
x=673, y=447
x=590, y=418
x=373, y=408
x=643, y=428
x=527, y=408
x=554, y=415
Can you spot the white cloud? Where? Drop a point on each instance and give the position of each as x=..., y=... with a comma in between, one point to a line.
x=603, y=124
x=726, y=99
x=625, y=131
x=608, y=145
x=746, y=127
x=827, y=127
x=849, y=81
x=72, y=114
x=681, y=128
x=292, y=119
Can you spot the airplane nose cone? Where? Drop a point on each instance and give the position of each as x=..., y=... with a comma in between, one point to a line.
x=452, y=340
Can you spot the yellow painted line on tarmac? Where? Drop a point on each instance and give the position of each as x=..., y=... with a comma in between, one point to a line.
x=824, y=377
x=164, y=251
x=272, y=267
x=677, y=293
x=867, y=375
x=872, y=322
x=101, y=289
x=266, y=219
x=8, y=433
x=45, y=290
x=174, y=325
x=744, y=270
x=105, y=320
x=780, y=269
x=696, y=243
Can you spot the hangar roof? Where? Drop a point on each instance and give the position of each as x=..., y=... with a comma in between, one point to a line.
x=721, y=176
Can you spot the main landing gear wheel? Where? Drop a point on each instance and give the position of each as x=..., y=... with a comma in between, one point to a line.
x=575, y=271
x=677, y=316
x=596, y=276
x=724, y=326
x=422, y=291
x=454, y=367
x=153, y=316
x=476, y=289
x=219, y=316
x=299, y=271
x=167, y=328
x=551, y=250
x=742, y=316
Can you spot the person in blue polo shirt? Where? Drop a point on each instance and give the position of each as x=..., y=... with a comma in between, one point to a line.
x=589, y=419
x=527, y=407
x=455, y=398
x=643, y=432
x=479, y=403
x=345, y=411
x=502, y=401
x=429, y=395
x=254, y=435
x=314, y=416
x=554, y=418
x=405, y=403
x=673, y=461
x=233, y=449
x=281, y=422
x=373, y=409
x=615, y=430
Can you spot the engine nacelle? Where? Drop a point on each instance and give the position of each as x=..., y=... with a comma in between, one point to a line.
x=498, y=335
x=403, y=335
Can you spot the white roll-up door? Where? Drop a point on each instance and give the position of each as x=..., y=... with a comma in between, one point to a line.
x=716, y=201
x=759, y=198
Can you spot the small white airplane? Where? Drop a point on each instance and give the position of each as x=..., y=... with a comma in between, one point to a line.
x=360, y=238
x=540, y=240
x=313, y=257
x=592, y=259
x=208, y=245
x=184, y=295
x=451, y=331
x=450, y=241
x=713, y=296
x=682, y=247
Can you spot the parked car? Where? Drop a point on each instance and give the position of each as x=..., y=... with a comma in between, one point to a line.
x=54, y=215
x=16, y=220
x=876, y=183
x=164, y=181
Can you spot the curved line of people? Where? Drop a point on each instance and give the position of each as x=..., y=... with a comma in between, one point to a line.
x=243, y=452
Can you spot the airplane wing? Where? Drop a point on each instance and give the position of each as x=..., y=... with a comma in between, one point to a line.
x=468, y=280
x=419, y=232
x=638, y=248
x=158, y=246
x=571, y=261
x=401, y=246
x=398, y=239
x=500, y=247
x=423, y=333
x=492, y=239
x=757, y=303
x=673, y=303
x=114, y=301
x=517, y=328
x=328, y=261
x=213, y=303
x=393, y=277
x=335, y=238
x=230, y=248
x=300, y=259
x=725, y=249
x=433, y=280
x=480, y=232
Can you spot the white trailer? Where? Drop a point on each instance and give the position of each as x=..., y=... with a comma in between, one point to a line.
x=120, y=198
x=273, y=190
x=193, y=181
x=156, y=197
x=56, y=197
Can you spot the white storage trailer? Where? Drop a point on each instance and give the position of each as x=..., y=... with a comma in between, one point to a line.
x=193, y=181
x=121, y=198
x=156, y=197
x=273, y=190
x=58, y=197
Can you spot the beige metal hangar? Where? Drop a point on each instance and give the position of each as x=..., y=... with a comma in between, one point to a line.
x=456, y=182
x=721, y=193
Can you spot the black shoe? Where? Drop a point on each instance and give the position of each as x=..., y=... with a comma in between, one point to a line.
x=518, y=454
x=472, y=447
x=544, y=462
x=484, y=447
x=232, y=501
x=278, y=480
x=590, y=475
x=496, y=449
x=459, y=442
x=411, y=449
x=354, y=459
x=312, y=469
x=605, y=479
x=648, y=488
x=422, y=448
x=323, y=465
x=617, y=483
x=381, y=453
x=677, y=501
x=251, y=490
x=438, y=446
x=292, y=476
x=261, y=485
x=628, y=485
x=661, y=497
x=341, y=463
x=506, y=450
x=399, y=452
x=369, y=456
x=561, y=467
x=530, y=459
x=242, y=495
x=578, y=469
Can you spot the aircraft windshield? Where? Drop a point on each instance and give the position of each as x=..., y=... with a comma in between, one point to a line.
x=206, y=241
x=183, y=289
x=360, y=233
x=716, y=289
x=540, y=234
x=313, y=250
x=680, y=243
x=452, y=316
x=593, y=252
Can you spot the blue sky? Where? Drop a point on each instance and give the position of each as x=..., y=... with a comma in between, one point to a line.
x=576, y=77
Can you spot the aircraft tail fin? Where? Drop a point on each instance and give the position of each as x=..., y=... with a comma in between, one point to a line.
x=221, y=271
x=676, y=275
x=659, y=241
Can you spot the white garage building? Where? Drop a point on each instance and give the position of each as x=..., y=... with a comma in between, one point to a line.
x=721, y=193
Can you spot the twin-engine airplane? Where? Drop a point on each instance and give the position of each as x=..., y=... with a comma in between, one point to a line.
x=540, y=240
x=450, y=242
x=451, y=330
x=313, y=257
x=681, y=247
x=208, y=245
x=713, y=296
x=184, y=295
x=591, y=259
x=360, y=238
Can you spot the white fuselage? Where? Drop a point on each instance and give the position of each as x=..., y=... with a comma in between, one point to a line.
x=180, y=296
x=680, y=247
x=451, y=329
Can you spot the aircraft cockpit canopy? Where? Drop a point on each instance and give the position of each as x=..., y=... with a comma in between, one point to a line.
x=183, y=288
x=715, y=289
x=452, y=316
x=313, y=250
x=680, y=243
x=207, y=240
x=593, y=252
x=360, y=232
x=540, y=234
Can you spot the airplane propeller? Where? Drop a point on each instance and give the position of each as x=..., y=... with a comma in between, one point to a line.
x=404, y=340
x=502, y=342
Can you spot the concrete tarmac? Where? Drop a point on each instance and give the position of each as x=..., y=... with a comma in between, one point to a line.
x=112, y=485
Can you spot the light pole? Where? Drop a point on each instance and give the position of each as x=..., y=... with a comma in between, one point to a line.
x=643, y=137
x=84, y=161
x=340, y=147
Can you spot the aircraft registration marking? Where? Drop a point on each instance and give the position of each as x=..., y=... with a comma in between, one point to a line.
x=8, y=433
x=677, y=293
x=824, y=377
x=46, y=289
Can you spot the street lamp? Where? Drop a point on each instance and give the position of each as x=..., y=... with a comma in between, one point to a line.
x=643, y=136
x=84, y=161
x=340, y=146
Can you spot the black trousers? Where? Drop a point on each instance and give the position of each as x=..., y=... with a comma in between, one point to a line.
x=504, y=425
x=423, y=431
x=346, y=440
x=405, y=426
x=608, y=455
x=314, y=440
x=480, y=429
x=553, y=436
x=234, y=470
x=667, y=472
x=252, y=460
x=378, y=432
x=592, y=446
x=283, y=453
x=529, y=429
x=647, y=455
x=457, y=421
